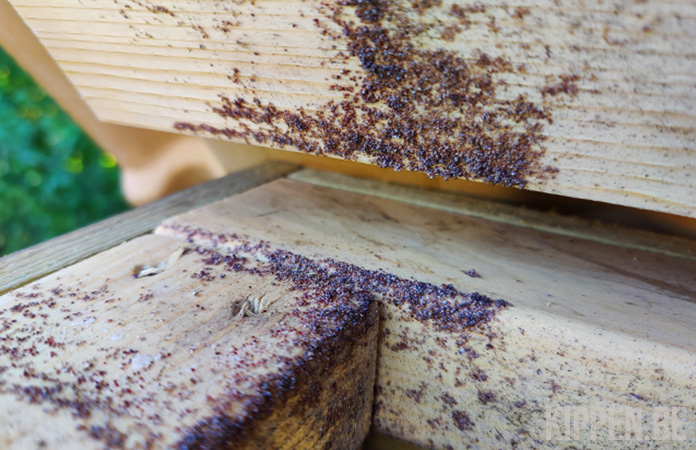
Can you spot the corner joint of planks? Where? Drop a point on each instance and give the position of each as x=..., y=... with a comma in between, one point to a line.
x=309, y=310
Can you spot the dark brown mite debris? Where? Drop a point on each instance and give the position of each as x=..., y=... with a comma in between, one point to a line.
x=201, y=30
x=421, y=5
x=565, y=86
x=416, y=395
x=412, y=106
x=325, y=280
x=462, y=12
x=160, y=9
x=108, y=434
x=519, y=12
x=462, y=420
x=478, y=375
x=486, y=397
x=227, y=25
x=448, y=400
x=450, y=32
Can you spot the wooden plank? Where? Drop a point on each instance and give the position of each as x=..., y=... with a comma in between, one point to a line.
x=191, y=356
x=590, y=327
x=37, y=261
x=572, y=227
x=231, y=154
x=615, y=82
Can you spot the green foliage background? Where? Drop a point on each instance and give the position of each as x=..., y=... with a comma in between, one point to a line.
x=53, y=178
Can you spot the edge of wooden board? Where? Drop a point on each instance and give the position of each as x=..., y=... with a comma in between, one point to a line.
x=39, y=260
x=574, y=227
x=570, y=293
x=612, y=88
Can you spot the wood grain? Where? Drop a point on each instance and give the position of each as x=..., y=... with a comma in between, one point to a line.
x=568, y=226
x=34, y=262
x=627, y=136
x=93, y=357
x=592, y=327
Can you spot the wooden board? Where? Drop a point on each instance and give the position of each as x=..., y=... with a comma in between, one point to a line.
x=549, y=222
x=489, y=331
x=592, y=327
x=615, y=82
x=95, y=357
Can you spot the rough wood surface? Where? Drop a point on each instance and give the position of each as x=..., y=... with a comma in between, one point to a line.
x=590, y=326
x=34, y=262
x=93, y=357
x=616, y=79
x=572, y=227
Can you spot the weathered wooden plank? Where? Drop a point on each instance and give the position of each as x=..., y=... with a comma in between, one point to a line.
x=597, y=328
x=572, y=227
x=32, y=263
x=607, y=88
x=191, y=356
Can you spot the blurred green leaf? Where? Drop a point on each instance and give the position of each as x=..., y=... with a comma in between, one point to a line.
x=53, y=178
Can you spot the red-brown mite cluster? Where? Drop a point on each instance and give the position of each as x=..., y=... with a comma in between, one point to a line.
x=411, y=106
x=327, y=280
x=462, y=420
x=565, y=86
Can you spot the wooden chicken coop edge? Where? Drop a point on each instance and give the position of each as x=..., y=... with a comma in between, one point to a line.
x=312, y=211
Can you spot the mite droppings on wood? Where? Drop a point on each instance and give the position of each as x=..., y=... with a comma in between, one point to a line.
x=411, y=106
x=120, y=379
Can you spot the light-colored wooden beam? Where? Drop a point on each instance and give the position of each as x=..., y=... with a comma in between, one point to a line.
x=95, y=357
x=572, y=227
x=594, y=328
x=622, y=127
x=594, y=325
